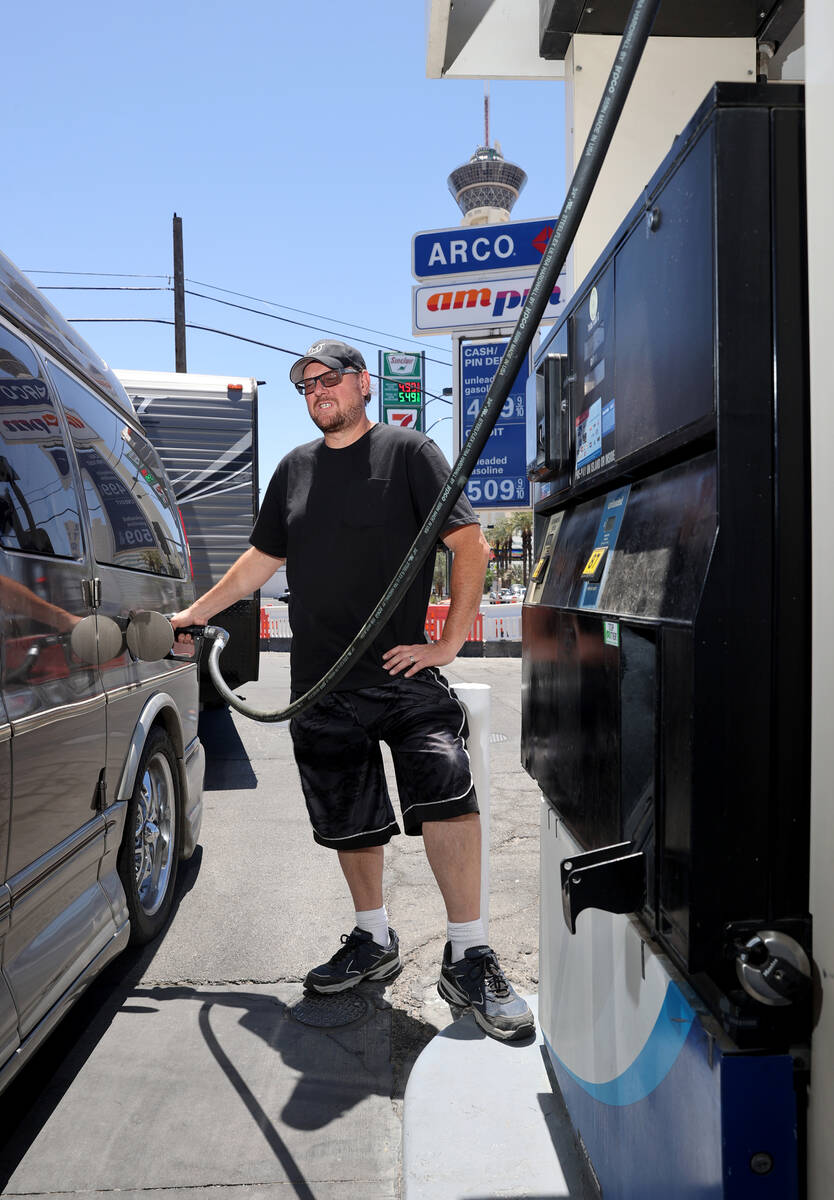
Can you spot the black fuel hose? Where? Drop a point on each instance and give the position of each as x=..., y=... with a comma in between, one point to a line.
x=632, y=44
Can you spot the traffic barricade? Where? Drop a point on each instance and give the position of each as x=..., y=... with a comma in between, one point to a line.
x=436, y=615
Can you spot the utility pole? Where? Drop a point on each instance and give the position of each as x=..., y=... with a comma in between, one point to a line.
x=179, y=297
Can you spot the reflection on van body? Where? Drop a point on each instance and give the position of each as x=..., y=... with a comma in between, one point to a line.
x=133, y=520
x=96, y=748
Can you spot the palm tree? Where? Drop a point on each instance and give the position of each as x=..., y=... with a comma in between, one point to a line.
x=516, y=525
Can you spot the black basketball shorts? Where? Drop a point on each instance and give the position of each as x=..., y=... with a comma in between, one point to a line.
x=337, y=751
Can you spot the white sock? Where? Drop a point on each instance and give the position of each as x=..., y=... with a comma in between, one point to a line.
x=463, y=934
x=375, y=922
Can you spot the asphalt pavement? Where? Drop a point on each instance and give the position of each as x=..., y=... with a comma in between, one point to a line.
x=198, y=1064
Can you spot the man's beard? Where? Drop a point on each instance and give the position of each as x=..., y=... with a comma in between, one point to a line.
x=335, y=419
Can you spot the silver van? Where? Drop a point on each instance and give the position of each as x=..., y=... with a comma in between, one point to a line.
x=101, y=770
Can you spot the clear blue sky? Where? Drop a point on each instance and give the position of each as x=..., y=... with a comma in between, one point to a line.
x=301, y=144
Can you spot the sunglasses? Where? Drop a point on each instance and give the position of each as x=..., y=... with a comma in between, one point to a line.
x=328, y=380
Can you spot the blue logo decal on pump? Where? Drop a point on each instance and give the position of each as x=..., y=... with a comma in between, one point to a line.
x=608, y=531
x=654, y=1062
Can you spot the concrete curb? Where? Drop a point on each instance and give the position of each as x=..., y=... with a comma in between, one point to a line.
x=502, y=1147
x=276, y=643
x=505, y=648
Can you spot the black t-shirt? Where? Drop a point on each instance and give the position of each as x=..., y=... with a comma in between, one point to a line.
x=344, y=520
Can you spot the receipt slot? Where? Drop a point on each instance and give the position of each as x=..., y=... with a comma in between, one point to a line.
x=666, y=671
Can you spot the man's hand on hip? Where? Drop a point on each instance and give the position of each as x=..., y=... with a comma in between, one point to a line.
x=411, y=659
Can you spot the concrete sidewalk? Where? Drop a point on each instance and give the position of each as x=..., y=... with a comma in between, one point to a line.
x=200, y=1064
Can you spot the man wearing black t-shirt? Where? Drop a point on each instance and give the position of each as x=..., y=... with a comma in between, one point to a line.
x=342, y=512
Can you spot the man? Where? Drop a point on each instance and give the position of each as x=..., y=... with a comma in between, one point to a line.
x=342, y=512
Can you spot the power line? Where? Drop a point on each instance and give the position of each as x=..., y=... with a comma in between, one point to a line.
x=209, y=329
x=97, y=274
x=301, y=324
x=274, y=304
x=230, y=292
x=87, y=287
x=168, y=321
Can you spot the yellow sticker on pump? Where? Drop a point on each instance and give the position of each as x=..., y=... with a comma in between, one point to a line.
x=540, y=566
x=593, y=564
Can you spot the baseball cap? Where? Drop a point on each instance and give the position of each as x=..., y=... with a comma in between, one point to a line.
x=329, y=354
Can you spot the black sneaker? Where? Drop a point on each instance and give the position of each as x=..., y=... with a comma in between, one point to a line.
x=478, y=983
x=359, y=958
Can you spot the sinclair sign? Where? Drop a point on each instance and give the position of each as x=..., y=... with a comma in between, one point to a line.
x=401, y=386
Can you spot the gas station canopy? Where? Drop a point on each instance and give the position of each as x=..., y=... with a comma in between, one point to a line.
x=535, y=34
x=560, y=19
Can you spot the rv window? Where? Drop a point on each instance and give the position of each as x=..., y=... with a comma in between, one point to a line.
x=133, y=520
x=38, y=503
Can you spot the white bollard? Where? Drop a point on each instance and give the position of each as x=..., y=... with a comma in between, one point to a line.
x=475, y=697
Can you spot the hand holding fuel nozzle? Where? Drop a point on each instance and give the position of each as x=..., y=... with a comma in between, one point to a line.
x=185, y=627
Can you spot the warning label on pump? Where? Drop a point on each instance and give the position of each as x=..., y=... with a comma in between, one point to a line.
x=595, y=430
x=594, y=563
x=611, y=633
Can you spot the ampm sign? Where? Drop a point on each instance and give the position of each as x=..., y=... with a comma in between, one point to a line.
x=510, y=246
x=477, y=304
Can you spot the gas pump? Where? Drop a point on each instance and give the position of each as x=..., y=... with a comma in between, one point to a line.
x=666, y=671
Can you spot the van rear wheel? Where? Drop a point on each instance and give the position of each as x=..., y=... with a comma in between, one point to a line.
x=150, y=849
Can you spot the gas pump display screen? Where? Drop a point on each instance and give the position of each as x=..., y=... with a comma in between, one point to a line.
x=664, y=312
x=641, y=336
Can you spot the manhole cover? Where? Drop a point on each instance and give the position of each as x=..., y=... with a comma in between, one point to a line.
x=498, y=737
x=328, y=1012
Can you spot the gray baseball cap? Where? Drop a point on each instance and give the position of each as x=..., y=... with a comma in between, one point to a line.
x=337, y=355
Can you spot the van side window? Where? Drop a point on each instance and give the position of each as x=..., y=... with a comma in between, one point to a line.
x=39, y=510
x=133, y=521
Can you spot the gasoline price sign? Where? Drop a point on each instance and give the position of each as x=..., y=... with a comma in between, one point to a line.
x=409, y=391
x=499, y=478
x=401, y=389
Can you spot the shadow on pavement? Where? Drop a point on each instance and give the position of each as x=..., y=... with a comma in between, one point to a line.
x=227, y=763
x=330, y=1070
x=338, y=1065
x=259, y=1017
x=30, y=1100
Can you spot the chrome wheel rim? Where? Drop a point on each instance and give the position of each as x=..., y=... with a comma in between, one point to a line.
x=153, y=834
